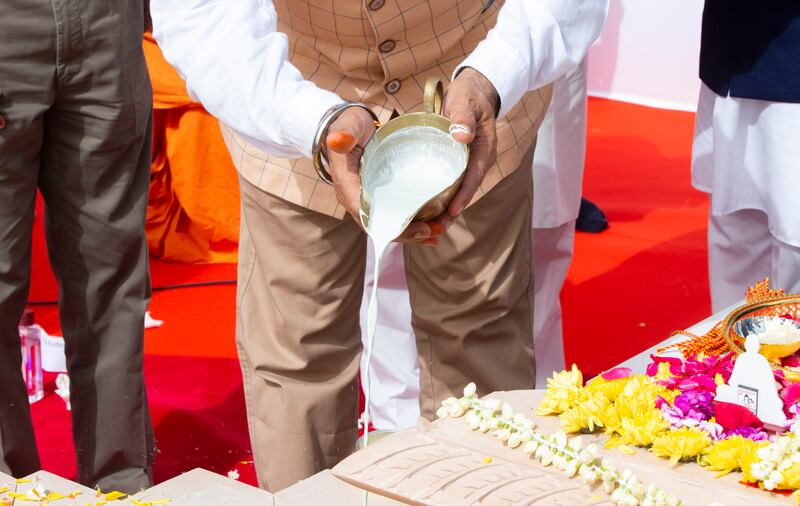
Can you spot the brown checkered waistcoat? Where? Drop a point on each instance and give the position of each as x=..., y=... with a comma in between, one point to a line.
x=380, y=52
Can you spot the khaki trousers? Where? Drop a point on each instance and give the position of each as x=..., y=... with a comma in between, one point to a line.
x=300, y=286
x=76, y=106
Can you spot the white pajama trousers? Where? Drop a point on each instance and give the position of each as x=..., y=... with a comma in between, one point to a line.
x=743, y=251
x=394, y=389
x=552, y=255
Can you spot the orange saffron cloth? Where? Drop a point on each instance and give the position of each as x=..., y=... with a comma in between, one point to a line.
x=193, y=208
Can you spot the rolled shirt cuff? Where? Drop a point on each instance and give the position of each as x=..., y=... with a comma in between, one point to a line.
x=507, y=73
x=302, y=115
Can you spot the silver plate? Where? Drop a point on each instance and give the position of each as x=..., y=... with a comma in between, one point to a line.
x=758, y=324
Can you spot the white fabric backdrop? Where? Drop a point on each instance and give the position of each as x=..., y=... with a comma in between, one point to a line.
x=648, y=53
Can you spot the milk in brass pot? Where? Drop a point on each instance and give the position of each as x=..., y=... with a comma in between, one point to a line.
x=414, y=162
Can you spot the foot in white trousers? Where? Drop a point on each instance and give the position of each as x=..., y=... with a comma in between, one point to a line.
x=552, y=255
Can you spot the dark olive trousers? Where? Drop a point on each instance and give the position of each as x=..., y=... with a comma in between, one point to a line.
x=75, y=122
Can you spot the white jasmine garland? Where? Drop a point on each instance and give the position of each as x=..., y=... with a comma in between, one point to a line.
x=568, y=455
x=776, y=457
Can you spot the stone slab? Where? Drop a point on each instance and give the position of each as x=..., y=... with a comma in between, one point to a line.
x=50, y=483
x=444, y=462
x=325, y=489
x=199, y=487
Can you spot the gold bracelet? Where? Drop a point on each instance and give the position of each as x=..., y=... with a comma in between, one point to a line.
x=317, y=154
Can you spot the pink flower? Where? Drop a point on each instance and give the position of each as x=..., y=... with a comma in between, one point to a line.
x=675, y=365
x=660, y=402
x=693, y=374
x=617, y=373
x=791, y=394
x=791, y=361
x=695, y=404
x=710, y=366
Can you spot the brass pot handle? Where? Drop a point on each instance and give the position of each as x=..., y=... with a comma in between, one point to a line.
x=434, y=96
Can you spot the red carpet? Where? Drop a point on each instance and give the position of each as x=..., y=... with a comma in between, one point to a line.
x=633, y=284
x=628, y=288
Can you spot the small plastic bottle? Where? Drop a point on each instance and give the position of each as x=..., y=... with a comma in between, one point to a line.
x=31, y=340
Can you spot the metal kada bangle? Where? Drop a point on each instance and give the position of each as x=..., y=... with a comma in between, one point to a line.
x=329, y=117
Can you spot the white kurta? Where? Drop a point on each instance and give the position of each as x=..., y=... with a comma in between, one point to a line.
x=561, y=152
x=746, y=154
x=557, y=178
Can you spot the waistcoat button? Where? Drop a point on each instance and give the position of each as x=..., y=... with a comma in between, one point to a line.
x=374, y=5
x=393, y=86
x=387, y=45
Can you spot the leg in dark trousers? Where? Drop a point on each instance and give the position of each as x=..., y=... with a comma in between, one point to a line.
x=77, y=97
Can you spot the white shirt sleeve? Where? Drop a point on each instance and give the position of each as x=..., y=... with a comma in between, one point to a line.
x=534, y=42
x=236, y=63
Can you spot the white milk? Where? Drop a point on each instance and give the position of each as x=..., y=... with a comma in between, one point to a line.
x=409, y=177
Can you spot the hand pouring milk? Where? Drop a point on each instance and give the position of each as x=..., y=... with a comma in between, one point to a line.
x=410, y=175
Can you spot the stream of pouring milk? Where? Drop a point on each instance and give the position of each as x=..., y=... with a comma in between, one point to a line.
x=406, y=183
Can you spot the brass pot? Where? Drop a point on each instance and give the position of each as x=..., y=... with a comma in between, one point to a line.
x=416, y=133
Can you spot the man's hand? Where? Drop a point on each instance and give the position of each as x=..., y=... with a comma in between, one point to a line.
x=345, y=141
x=470, y=102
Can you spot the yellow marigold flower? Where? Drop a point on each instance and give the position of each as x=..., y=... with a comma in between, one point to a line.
x=726, y=455
x=636, y=403
x=747, y=457
x=585, y=416
x=667, y=393
x=595, y=406
x=641, y=382
x=639, y=396
x=609, y=418
x=564, y=390
x=791, y=477
x=626, y=406
x=684, y=444
x=611, y=389
x=572, y=420
x=642, y=429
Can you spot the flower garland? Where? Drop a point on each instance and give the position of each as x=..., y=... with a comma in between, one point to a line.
x=568, y=455
x=777, y=466
x=671, y=411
